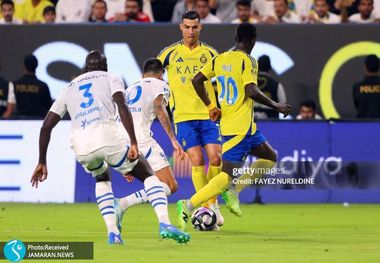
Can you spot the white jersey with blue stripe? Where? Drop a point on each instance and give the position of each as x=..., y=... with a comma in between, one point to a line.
x=88, y=100
x=140, y=100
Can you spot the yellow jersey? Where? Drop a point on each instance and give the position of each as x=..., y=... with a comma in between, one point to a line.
x=182, y=64
x=234, y=70
x=24, y=10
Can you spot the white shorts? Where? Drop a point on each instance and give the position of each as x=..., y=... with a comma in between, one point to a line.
x=154, y=154
x=98, y=161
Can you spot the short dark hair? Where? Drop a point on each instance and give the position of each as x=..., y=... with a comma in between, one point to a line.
x=360, y=1
x=95, y=60
x=48, y=9
x=100, y=1
x=308, y=104
x=192, y=15
x=372, y=63
x=264, y=63
x=30, y=63
x=245, y=32
x=207, y=1
x=139, y=2
x=7, y=2
x=246, y=3
x=153, y=65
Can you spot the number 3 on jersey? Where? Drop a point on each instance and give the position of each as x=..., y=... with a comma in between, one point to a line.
x=229, y=90
x=87, y=94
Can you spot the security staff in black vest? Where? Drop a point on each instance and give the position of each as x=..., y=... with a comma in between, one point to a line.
x=270, y=87
x=367, y=92
x=7, y=98
x=33, y=98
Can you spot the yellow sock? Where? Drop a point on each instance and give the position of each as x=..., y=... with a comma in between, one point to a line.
x=259, y=163
x=211, y=173
x=198, y=176
x=216, y=185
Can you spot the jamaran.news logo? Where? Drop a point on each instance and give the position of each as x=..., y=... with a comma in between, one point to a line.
x=14, y=250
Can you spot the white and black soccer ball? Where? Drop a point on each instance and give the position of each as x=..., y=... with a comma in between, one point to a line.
x=203, y=219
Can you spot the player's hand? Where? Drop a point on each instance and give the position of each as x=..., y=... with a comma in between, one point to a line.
x=39, y=175
x=179, y=152
x=128, y=177
x=215, y=114
x=284, y=108
x=133, y=152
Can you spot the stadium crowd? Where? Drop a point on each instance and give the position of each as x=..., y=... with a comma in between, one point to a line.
x=211, y=11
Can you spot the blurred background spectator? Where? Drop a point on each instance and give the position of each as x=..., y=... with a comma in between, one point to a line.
x=203, y=9
x=132, y=13
x=244, y=13
x=283, y=14
x=73, y=11
x=366, y=13
x=308, y=111
x=31, y=11
x=367, y=92
x=321, y=14
x=7, y=98
x=32, y=95
x=7, y=12
x=98, y=12
x=224, y=9
x=49, y=15
x=180, y=8
x=344, y=8
x=270, y=87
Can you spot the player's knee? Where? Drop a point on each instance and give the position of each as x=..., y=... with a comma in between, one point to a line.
x=215, y=160
x=197, y=160
x=273, y=156
x=102, y=177
x=173, y=187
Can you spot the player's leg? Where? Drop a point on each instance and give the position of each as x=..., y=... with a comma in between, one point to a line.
x=266, y=159
x=156, y=197
x=104, y=194
x=212, y=141
x=160, y=165
x=234, y=150
x=213, y=152
x=189, y=136
x=214, y=187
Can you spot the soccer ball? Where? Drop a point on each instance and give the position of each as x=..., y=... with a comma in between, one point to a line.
x=203, y=219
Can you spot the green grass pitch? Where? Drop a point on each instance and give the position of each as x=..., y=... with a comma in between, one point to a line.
x=269, y=233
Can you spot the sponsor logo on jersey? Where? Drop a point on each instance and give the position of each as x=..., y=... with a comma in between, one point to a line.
x=227, y=68
x=179, y=60
x=203, y=59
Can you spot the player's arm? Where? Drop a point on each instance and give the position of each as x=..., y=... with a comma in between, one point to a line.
x=249, y=80
x=163, y=117
x=198, y=82
x=40, y=173
x=253, y=92
x=126, y=120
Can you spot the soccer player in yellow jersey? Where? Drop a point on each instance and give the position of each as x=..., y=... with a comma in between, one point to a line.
x=193, y=126
x=236, y=74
